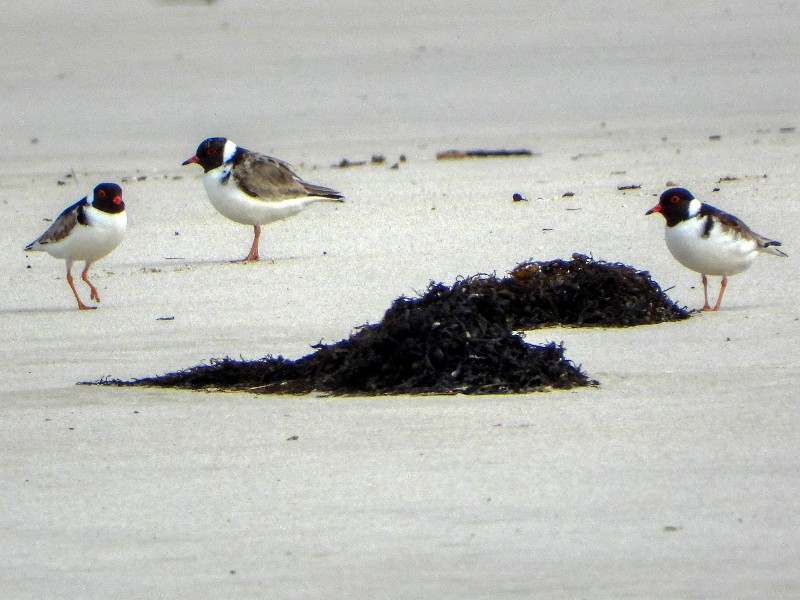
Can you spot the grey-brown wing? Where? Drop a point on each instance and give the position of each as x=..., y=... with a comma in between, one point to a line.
x=270, y=178
x=728, y=220
x=742, y=230
x=64, y=223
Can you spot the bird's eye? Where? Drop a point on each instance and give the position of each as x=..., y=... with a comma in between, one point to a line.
x=212, y=151
x=674, y=199
x=101, y=193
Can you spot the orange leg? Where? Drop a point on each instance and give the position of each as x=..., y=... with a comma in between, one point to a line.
x=721, y=292
x=85, y=276
x=706, y=305
x=71, y=283
x=253, y=256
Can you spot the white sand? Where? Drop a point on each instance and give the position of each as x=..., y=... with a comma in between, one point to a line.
x=678, y=477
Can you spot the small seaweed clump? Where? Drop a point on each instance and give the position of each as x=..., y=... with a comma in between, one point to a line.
x=456, y=339
x=580, y=292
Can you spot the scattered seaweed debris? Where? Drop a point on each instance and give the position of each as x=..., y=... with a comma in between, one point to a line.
x=455, y=339
x=456, y=154
x=732, y=178
x=346, y=162
x=727, y=179
x=376, y=159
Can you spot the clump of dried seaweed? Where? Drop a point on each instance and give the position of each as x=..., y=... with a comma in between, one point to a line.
x=449, y=340
x=579, y=292
x=456, y=339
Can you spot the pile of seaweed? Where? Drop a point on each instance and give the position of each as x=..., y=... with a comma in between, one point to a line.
x=580, y=292
x=455, y=339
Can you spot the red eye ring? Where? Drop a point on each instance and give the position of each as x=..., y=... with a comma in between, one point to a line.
x=674, y=199
x=101, y=193
x=212, y=151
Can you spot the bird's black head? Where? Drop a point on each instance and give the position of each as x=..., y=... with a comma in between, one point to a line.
x=210, y=154
x=674, y=204
x=108, y=198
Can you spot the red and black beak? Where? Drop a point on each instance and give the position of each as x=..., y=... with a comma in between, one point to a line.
x=656, y=208
x=190, y=161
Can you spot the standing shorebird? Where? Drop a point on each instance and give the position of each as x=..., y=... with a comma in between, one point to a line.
x=708, y=240
x=252, y=188
x=88, y=230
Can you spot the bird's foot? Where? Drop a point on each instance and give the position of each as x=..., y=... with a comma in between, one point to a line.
x=251, y=257
x=247, y=259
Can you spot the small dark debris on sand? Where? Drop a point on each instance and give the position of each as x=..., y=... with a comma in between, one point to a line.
x=346, y=162
x=727, y=179
x=623, y=188
x=456, y=154
x=455, y=339
x=375, y=159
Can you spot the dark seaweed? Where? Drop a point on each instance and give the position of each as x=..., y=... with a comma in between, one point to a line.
x=456, y=339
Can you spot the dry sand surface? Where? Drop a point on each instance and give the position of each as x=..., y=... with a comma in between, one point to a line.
x=677, y=477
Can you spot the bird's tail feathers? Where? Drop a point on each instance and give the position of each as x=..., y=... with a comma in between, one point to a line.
x=771, y=247
x=322, y=192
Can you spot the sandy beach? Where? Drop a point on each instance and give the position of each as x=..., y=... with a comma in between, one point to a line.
x=676, y=477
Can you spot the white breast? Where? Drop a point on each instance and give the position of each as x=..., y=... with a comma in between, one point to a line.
x=721, y=252
x=234, y=204
x=90, y=242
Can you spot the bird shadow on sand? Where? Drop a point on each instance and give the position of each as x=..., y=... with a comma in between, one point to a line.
x=43, y=310
x=183, y=264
